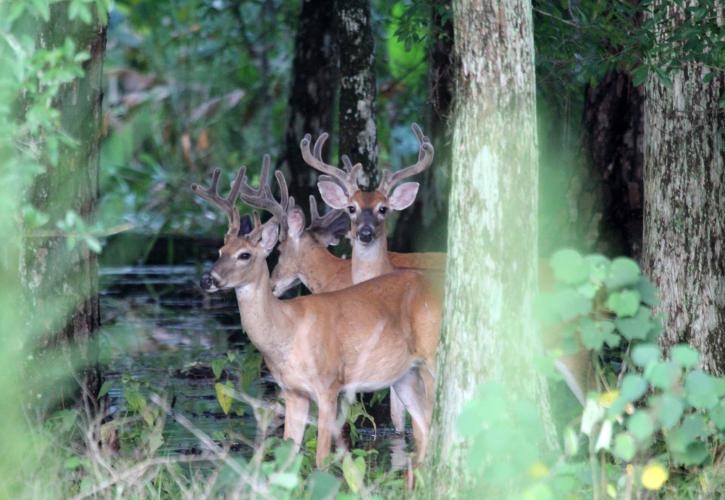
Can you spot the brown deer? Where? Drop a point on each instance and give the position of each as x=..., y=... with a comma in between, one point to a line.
x=363, y=338
x=367, y=210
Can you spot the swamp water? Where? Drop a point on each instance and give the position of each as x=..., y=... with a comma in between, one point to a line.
x=163, y=335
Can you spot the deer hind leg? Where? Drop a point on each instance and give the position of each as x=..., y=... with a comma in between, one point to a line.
x=296, y=409
x=327, y=427
x=397, y=411
x=412, y=392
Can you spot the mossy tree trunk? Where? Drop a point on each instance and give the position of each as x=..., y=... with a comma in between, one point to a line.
x=312, y=96
x=684, y=205
x=358, y=135
x=61, y=284
x=488, y=332
x=422, y=227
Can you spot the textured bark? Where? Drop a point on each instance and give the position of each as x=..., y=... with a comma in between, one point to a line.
x=312, y=96
x=684, y=214
x=488, y=332
x=358, y=136
x=63, y=284
x=614, y=123
x=422, y=227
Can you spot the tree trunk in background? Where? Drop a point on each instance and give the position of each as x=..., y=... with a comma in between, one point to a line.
x=62, y=284
x=358, y=137
x=613, y=121
x=488, y=328
x=684, y=214
x=422, y=227
x=312, y=96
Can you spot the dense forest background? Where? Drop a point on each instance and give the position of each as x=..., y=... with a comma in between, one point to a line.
x=602, y=124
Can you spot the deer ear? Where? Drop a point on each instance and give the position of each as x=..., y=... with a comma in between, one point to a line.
x=245, y=225
x=270, y=233
x=403, y=196
x=295, y=222
x=332, y=194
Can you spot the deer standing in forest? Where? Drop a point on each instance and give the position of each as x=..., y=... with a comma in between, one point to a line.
x=363, y=338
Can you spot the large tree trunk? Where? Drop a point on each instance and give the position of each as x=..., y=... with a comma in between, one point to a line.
x=422, y=227
x=62, y=284
x=312, y=96
x=358, y=136
x=684, y=207
x=613, y=120
x=488, y=332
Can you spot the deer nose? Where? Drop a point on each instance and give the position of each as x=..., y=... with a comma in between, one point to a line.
x=208, y=281
x=366, y=234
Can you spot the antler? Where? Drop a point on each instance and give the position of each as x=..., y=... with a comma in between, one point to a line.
x=262, y=196
x=227, y=204
x=346, y=179
x=425, y=158
x=318, y=223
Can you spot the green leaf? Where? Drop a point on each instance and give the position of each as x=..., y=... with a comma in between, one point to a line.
x=105, y=387
x=569, y=267
x=217, y=367
x=641, y=425
x=639, y=75
x=662, y=375
x=648, y=292
x=598, y=268
x=223, y=396
x=644, y=354
x=684, y=355
x=700, y=390
x=571, y=442
x=669, y=410
x=593, y=333
x=285, y=480
x=622, y=273
x=570, y=304
x=635, y=328
x=633, y=387
x=323, y=485
x=353, y=472
x=624, y=304
x=624, y=446
x=717, y=414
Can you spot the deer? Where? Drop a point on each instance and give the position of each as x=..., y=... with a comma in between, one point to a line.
x=362, y=338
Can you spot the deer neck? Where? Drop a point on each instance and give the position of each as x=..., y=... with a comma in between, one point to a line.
x=370, y=261
x=322, y=270
x=262, y=316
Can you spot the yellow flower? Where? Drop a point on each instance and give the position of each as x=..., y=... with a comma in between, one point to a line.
x=654, y=476
x=538, y=470
x=606, y=399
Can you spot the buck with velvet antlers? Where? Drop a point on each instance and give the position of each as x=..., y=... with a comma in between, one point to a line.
x=362, y=338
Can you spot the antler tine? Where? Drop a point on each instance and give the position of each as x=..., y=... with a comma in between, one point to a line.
x=425, y=158
x=314, y=159
x=263, y=198
x=227, y=204
x=317, y=222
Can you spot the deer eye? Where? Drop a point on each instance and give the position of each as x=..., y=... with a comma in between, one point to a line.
x=244, y=256
x=351, y=209
x=382, y=210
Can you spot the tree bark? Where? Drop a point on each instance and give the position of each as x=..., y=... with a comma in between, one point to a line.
x=312, y=96
x=488, y=330
x=62, y=284
x=684, y=206
x=358, y=136
x=422, y=227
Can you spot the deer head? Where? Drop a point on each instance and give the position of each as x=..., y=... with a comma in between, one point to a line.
x=242, y=258
x=367, y=210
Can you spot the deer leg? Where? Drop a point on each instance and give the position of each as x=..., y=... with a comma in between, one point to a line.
x=412, y=392
x=326, y=425
x=296, y=408
x=397, y=411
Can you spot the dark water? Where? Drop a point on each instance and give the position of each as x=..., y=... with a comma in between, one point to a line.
x=162, y=334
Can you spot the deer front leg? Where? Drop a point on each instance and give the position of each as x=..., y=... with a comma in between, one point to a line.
x=296, y=408
x=326, y=425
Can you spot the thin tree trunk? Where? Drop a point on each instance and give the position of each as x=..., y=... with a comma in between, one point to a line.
x=488, y=332
x=62, y=284
x=422, y=227
x=684, y=215
x=312, y=96
x=613, y=120
x=358, y=136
